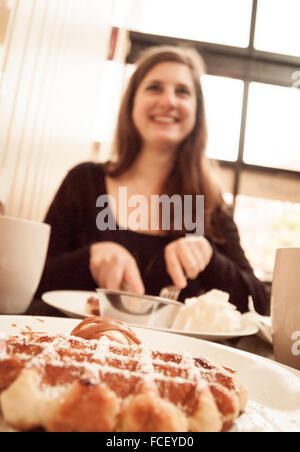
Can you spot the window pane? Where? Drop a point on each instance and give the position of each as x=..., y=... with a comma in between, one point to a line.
x=264, y=226
x=225, y=22
x=272, y=129
x=277, y=26
x=223, y=99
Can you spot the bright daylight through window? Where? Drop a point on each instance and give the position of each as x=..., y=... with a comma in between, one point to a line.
x=277, y=27
x=222, y=95
x=272, y=130
x=193, y=19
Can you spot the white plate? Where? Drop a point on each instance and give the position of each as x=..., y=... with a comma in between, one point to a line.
x=274, y=390
x=70, y=302
x=73, y=304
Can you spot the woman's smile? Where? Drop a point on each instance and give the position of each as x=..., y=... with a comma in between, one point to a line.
x=160, y=119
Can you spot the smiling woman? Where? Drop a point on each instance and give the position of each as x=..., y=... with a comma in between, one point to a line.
x=164, y=110
x=162, y=126
x=159, y=151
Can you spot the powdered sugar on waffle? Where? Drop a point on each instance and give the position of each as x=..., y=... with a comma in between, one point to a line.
x=178, y=380
x=53, y=349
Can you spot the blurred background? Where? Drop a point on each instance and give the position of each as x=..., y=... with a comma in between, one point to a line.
x=64, y=65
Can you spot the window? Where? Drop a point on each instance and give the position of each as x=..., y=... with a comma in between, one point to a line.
x=272, y=127
x=223, y=101
x=266, y=225
x=219, y=21
x=277, y=26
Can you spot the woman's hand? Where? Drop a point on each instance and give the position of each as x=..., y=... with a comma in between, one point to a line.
x=112, y=267
x=186, y=258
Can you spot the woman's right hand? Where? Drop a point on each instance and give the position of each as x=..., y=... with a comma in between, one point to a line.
x=112, y=267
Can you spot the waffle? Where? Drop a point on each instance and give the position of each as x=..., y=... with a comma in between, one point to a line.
x=68, y=383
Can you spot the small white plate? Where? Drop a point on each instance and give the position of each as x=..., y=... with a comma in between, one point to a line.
x=73, y=304
x=70, y=302
x=274, y=390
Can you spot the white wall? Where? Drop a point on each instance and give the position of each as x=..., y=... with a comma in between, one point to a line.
x=53, y=65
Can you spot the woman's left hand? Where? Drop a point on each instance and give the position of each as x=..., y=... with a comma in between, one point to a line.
x=186, y=258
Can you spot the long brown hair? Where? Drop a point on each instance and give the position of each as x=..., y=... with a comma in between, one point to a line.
x=192, y=172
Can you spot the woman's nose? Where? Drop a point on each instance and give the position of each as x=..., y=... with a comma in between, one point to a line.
x=168, y=98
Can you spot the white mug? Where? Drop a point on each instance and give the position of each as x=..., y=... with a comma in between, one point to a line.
x=23, y=251
x=285, y=307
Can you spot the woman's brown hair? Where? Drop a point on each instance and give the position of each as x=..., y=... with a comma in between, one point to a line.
x=192, y=172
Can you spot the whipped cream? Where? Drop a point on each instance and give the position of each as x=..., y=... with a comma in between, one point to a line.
x=210, y=312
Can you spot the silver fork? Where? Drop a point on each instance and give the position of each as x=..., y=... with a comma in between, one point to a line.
x=170, y=292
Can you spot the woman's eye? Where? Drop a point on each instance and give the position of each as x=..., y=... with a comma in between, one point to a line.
x=153, y=88
x=183, y=91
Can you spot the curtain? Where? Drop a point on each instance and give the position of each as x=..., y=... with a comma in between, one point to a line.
x=53, y=68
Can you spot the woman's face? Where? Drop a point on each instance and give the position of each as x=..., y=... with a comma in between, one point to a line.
x=164, y=110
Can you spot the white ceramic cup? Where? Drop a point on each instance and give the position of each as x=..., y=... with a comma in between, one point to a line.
x=23, y=250
x=285, y=307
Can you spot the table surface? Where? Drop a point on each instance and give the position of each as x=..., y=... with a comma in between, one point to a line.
x=251, y=344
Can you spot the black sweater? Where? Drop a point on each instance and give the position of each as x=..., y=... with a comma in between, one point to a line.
x=72, y=216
